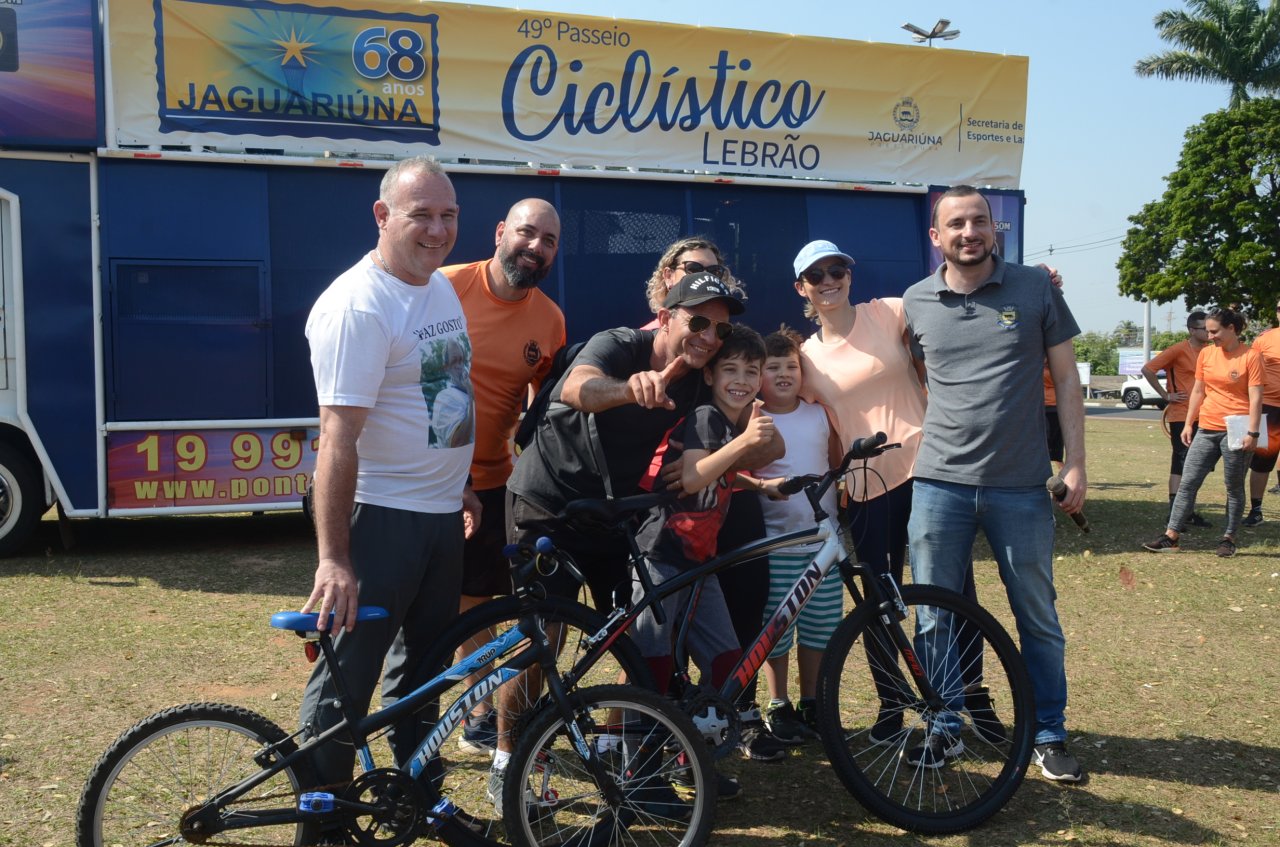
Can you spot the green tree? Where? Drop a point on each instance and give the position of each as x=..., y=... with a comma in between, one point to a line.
x=1127, y=334
x=1236, y=42
x=1164, y=340
x=1099, y=350
x=1214, y=236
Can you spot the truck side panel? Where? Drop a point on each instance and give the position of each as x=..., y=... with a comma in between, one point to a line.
x=57, y=282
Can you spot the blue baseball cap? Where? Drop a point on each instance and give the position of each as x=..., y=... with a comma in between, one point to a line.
x=815, y=250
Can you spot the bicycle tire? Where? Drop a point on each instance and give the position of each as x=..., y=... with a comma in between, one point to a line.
x=551, y=797
x=463, y=778
x=872, y=723
x=139, y=789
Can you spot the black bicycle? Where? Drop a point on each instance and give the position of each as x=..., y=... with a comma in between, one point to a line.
x=903, y=665
x=611, y=764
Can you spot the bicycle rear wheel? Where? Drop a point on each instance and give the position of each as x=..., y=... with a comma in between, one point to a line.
x=462, y=776
x=647, y=747
x=153, y=773
x=875, y=723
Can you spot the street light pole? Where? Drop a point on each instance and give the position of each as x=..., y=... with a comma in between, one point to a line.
x=920, y=36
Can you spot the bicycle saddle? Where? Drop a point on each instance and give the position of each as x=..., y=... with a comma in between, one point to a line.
x=590, y=514
x=306, y=621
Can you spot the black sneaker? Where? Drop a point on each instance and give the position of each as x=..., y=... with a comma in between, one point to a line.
x=1254, y=517
x=785, y=724
x=647, y=790
x=1197, y=520
x=985, y=720
x=1163, y=544
x=887, y=728
x=727, y=787
x=807, y=711
x=758, y=744
x=937, y=750
x=480, y=735
x=1056, y=763
x=1226, y=548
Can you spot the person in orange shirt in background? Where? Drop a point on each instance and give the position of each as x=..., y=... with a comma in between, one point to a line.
x=1229, y=378
x=1052, y=427
x=1268, y=344
x=515, y=332
x=1178, y=362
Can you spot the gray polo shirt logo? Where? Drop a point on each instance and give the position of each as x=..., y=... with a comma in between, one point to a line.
x=1008, y=317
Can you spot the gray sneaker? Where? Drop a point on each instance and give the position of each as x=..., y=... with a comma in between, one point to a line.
x=494, y=791
x=1056, y=763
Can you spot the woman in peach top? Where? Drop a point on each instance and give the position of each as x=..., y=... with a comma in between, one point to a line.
x=859, y=366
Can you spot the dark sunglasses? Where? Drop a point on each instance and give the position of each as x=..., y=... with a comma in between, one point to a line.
x=698, y=324
x=692, y=267
x=813, y=276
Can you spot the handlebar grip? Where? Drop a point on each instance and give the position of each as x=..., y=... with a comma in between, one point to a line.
x=796, y=484
x=865, y=448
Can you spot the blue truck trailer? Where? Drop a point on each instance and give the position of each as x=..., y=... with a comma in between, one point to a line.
x=167, y=217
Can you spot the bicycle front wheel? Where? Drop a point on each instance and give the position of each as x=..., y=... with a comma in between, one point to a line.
x=930, y=767
x=174, y=760
x=463, y=774
x=658, y=784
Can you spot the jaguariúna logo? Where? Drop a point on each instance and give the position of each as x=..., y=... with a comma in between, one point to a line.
x=906, y=117
x=1008, y=318
x=271, y=68
x=532, y=352
x=906, y=114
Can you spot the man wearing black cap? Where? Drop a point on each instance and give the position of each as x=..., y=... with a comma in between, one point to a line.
x=595, y=442
x=608, y=414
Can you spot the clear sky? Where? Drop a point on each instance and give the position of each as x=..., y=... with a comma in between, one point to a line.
x=1099, y=140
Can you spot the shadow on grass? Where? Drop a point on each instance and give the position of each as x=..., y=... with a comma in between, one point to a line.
x=1188, y=759
x=1039, y=812
x=271, y=552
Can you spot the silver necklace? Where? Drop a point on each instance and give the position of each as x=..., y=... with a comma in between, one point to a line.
x=377, y=254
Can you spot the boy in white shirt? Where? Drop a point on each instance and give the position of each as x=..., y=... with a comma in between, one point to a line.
x=812, y=448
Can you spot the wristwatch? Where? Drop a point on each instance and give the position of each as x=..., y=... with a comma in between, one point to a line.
x=1254, y=434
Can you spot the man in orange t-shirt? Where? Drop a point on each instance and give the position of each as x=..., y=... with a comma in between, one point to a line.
x=515, y=332
x=1052, y=426
x=1178, y=362
x=1261, y=466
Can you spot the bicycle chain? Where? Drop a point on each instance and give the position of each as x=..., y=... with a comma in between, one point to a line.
x=332, y=788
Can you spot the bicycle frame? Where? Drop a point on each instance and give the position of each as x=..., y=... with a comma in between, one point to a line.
x=207, y=819
x=832, y=553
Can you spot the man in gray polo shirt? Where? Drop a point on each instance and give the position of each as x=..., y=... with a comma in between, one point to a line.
x=983, y=329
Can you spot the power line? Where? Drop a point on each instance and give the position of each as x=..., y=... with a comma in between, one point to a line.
x=1079, y=248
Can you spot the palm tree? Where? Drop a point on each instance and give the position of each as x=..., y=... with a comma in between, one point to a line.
x=1231, y=41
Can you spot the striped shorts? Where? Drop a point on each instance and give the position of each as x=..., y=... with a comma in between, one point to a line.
x=818, y=620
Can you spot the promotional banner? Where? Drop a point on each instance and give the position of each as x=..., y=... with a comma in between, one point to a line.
x=48, y=82
x=505, y=86
x=209, y=467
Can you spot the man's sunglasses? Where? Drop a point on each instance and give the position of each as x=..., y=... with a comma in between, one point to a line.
x=692, y=267
x=698, y=324
x=813, y=276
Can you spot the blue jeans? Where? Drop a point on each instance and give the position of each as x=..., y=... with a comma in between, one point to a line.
x=1018, y=524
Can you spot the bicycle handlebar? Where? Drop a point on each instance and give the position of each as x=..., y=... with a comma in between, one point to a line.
x=542, y=559
x=863, y=448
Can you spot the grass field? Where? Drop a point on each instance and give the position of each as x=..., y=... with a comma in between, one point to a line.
x=1173, y=662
